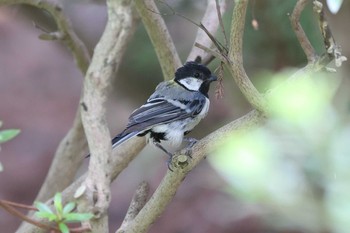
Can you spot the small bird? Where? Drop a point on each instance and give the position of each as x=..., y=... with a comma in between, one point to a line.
x=173, y=110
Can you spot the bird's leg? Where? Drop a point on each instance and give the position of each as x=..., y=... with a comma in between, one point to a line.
x=157, y=144
x=190, y=141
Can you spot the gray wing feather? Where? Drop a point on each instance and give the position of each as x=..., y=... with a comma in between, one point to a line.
x=158, y=111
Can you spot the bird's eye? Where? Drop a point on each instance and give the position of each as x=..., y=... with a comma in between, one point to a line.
x=197, y=75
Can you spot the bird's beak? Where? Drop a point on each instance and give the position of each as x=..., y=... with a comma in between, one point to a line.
x=213, y=78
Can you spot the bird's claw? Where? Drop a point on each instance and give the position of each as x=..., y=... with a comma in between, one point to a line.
x=169, y=164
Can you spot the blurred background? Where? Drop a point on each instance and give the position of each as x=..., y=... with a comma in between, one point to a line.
x=39, y=94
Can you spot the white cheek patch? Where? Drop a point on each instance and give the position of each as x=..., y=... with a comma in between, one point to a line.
x=191, y=83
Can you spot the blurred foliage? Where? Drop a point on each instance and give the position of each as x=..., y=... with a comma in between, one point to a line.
x=6, y=135
x=62, y=214
x=297, y=164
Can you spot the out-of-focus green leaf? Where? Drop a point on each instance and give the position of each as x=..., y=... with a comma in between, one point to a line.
x=68, y=208
x=58, y=203
x=42, y=207
x=63, y=227
x=334, y=5
x=8, y=134
x=301, y=101
x=77, y=217
x=47, y=215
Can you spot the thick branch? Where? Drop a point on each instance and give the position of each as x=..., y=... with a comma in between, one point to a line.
x=211, y=22
x=235, y=57
x=137, y=203
x=299, y=32
x=158, y=32
x=99, y=77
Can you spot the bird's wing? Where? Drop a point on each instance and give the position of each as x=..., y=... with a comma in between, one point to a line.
x=160, y=111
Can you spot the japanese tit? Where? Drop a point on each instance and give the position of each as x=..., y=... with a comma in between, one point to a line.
x=173, y=110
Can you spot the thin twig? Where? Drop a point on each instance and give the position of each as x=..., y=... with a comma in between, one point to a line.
x=299, y=32
x=332, y=49
x=23, y=217
x=19, y=205
x=206, y=32
x=218, y=10
x=213, y=52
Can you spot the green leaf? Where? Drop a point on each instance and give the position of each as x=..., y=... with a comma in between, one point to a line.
x=63, y=227
x=50, y=216
x=58, y=203
x=8, y=134
x=42, y=207
x=68, y=208
x=77, y=217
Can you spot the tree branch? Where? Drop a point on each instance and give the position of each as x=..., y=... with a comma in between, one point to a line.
x=158, y=32
x=235, y=56
x=68, y=36
x=99, y=77
x=299, y=32
x=137, y=203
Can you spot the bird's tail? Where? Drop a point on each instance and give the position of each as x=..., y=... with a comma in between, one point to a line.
x=119, y=139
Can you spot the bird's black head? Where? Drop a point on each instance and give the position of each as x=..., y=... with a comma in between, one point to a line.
x=194, y=77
